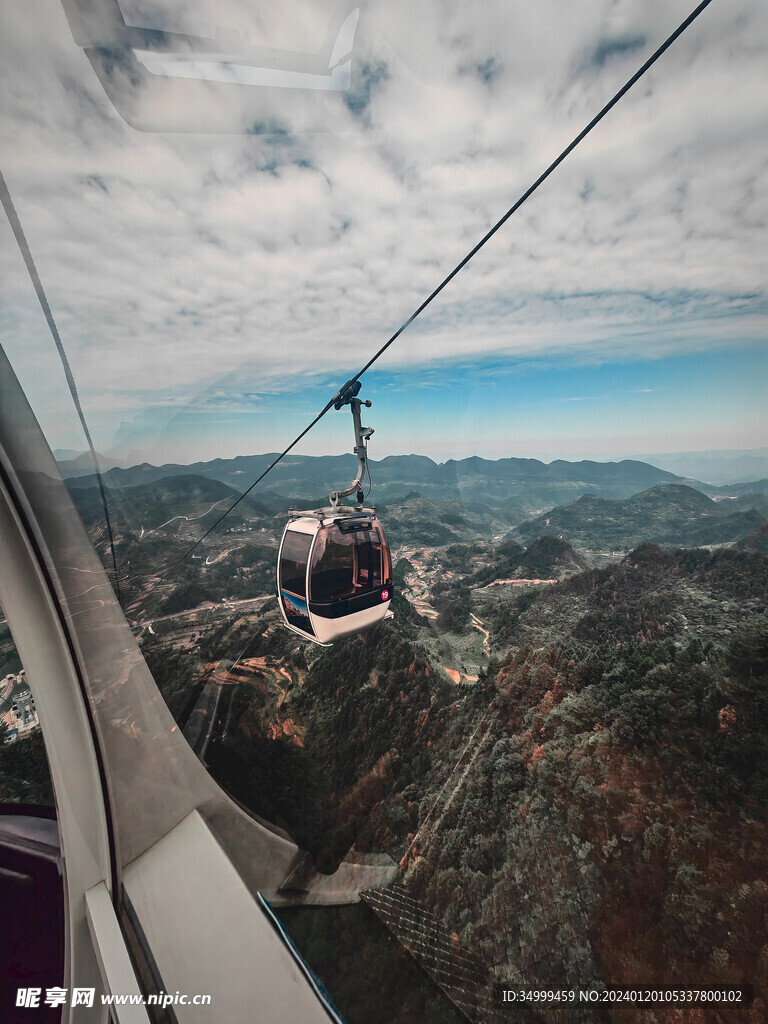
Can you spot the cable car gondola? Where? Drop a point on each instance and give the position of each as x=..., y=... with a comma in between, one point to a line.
x=334, y=568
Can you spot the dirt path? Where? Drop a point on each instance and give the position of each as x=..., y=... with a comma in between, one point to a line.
x=218, y=558
x=189, y=519
x=478, y=624
x=515, y=583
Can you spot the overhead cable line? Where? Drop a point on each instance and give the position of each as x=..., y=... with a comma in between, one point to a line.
x=459, y=266
x=21, y=241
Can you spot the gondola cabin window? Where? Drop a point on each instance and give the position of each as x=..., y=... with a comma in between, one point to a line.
x=294, y=563
x=293, y=579
x=346, y=563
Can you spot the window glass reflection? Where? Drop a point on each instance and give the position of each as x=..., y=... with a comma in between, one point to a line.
x=346, y=564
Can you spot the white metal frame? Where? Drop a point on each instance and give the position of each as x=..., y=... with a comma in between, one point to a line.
x=128, y=786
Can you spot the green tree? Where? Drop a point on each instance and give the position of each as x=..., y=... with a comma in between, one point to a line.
x=747, y=653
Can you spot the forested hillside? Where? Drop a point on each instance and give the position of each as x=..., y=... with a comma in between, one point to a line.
x=669, y=514
x=592, y=810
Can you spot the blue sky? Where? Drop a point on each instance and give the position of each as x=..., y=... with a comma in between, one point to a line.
x=214, y=284
x=499, y=408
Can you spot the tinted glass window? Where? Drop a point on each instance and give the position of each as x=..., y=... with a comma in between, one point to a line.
x=293, y=562
x=346, y=564
x=386, y=557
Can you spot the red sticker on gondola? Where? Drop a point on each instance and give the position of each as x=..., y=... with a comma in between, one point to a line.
x=385, y=595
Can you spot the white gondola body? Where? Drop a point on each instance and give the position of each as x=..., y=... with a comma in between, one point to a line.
x=334, y=574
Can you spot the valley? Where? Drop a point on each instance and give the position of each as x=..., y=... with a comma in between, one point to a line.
x=560, y=738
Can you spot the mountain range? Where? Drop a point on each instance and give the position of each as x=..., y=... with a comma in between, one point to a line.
x=524, y=487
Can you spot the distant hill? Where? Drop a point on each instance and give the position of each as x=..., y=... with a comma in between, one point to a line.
x=73, y=464
x=549, y=556
x=738, y=490
x=479, y=564
x=759, y=502
x=653, y=593
x=671, y=514
x=184, y=498
x=755, y=542
x=415, y=520
x=721, y=467
x=519, y=488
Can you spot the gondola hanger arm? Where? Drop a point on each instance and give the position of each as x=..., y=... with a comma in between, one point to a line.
x=348, y=396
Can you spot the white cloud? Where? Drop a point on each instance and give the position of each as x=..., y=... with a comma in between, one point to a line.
x=174, y=261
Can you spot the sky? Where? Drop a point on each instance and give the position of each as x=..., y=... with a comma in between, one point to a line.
x=217, y=278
